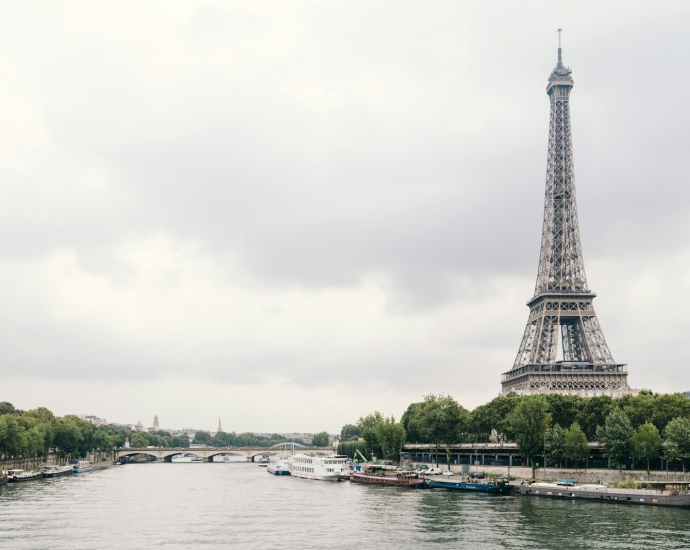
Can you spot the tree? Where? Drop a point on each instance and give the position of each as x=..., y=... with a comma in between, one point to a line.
x=392, y=437
x=668, y=407
x=68, y=436
x=349, y=432
x=410, y=422
x=576, y=448
x=594, y=413
x=12, y=437
x=180, y=440
x=41, y=414
x=555, y=444
x=677, y=444
x=7, y=408
x=138, y=440
x=350, y=448
x=639, y=408
x=528, y=423
x=369, y=427
x=202, y=438
x=564, y=409
x=497, y=411
x=320, y=439
x=646, y=442
x=615, y=434
x=491, y=418
x=439, y=420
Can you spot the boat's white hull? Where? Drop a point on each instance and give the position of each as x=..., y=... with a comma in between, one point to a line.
x=317, y=477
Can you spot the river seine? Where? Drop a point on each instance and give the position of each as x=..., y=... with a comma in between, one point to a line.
x=189, y=506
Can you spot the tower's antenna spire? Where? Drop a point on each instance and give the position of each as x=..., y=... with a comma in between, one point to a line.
x=560, y=62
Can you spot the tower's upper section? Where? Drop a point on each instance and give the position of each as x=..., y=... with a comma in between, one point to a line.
x=561, y=75
x=561, y=267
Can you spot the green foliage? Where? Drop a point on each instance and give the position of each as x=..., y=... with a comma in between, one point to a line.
x=555, y=444
x=646, y=442
x=383, y=436
x=349, y=448
x=576, y=448
x=202, y=438
x=12, y=437
x=668, y=407
x=7, y=408
x=528, y=423
x=410, y=422
x=68, y=436
x=639, y=408
x=320, y=439
x=594, y=412
x=369, y=427
x=391, y=437
x=138, y=440
x=630, y=484
x=442, y=419
x=615, y=434
x=564, y=409
x=677, y=444
x=350, y=432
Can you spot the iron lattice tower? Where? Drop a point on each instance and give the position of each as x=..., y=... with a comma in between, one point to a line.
x=562, y=301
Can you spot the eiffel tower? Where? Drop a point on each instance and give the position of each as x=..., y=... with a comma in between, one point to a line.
x=562, y=301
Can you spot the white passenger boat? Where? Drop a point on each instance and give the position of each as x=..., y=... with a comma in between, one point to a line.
x=325, y=468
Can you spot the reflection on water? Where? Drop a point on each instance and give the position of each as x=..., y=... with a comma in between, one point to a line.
x=240, y=506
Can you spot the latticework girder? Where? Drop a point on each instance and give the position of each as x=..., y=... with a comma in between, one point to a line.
x=562, y=302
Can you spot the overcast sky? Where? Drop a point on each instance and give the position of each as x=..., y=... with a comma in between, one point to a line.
x=291, y=213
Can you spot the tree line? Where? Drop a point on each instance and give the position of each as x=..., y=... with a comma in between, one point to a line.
x=643, y=426
x=31, y=435
x=248, y=439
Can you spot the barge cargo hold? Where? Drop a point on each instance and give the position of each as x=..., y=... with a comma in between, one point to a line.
x=498, y=486
x=672, y=493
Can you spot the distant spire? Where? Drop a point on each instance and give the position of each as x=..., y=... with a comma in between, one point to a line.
x=155, y=421
x=560, y=60
x=220, y=429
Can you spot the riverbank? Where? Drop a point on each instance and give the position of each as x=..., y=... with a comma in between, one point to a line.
x=580, y=475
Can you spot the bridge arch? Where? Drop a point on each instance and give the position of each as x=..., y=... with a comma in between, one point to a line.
x=140, y=452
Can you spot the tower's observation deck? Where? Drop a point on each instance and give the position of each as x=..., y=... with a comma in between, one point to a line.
x=562, y=301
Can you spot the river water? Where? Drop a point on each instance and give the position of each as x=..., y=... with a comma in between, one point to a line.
x=209, y=506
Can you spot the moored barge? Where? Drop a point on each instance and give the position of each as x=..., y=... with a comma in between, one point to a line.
x=497, y=486
x=381, y=475
x=672, y=493
x=55, y=471
x=20, y=476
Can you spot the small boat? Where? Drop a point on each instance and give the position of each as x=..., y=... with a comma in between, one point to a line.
x=19, y=476
x=55, y=471
x=497, y=486
x=383, y=475
x=186, y=457
x=279, y=468
x=81, y=466
x=265, y=460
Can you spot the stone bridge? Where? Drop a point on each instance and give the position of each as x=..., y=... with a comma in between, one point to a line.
x=166, y=454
